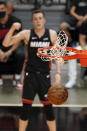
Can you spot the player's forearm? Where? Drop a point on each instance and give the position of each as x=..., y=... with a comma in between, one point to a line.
x=58, y=69
x=58, y=73
x=16, y=42
x=9, y=52
x=14, y=47
x=8, y=38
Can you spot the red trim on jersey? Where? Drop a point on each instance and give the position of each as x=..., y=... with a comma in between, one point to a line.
x=26, y=101
x=50, y=64
x=26, y=59
x=25, y=64
x=23, y=78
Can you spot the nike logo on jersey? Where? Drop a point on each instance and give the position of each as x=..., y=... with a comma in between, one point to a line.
x=39, y=44
x=34, y=38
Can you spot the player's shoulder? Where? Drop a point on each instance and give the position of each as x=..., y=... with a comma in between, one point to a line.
x=52, y=32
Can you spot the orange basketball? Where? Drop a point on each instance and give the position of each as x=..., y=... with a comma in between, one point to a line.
x=57, y=94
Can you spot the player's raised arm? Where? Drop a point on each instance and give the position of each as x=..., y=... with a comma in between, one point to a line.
x=53, y=35
x=16, y=39
x=8, y=38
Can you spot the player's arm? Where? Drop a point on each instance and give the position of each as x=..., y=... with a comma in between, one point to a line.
x=53, y=35
x=11, y=39
x=16, y=39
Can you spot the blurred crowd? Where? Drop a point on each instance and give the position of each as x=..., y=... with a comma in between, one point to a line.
x=17, y=57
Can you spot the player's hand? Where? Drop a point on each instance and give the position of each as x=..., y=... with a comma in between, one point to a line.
x=57, y=79
x=4, y=56
x=16, y=26
x=1, y=56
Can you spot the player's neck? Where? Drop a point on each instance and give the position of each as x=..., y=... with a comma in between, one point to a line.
x=40, y=32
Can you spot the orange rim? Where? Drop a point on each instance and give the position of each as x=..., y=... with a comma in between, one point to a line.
x=78, y=53
x=74, y=56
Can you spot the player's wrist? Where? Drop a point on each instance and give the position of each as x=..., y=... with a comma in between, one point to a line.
x=13, y=28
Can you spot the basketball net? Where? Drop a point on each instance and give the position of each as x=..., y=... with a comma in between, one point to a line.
x=54, y=52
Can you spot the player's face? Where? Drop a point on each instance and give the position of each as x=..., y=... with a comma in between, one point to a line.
x=2, y=8
x=38, y=21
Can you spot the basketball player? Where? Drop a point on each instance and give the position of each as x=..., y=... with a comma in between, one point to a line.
x=37, y=72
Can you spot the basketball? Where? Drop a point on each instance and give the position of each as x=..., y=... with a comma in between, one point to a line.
x=57, y=94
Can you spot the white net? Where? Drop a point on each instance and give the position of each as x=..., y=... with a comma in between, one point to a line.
x=57, y=50
x=62, y=39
